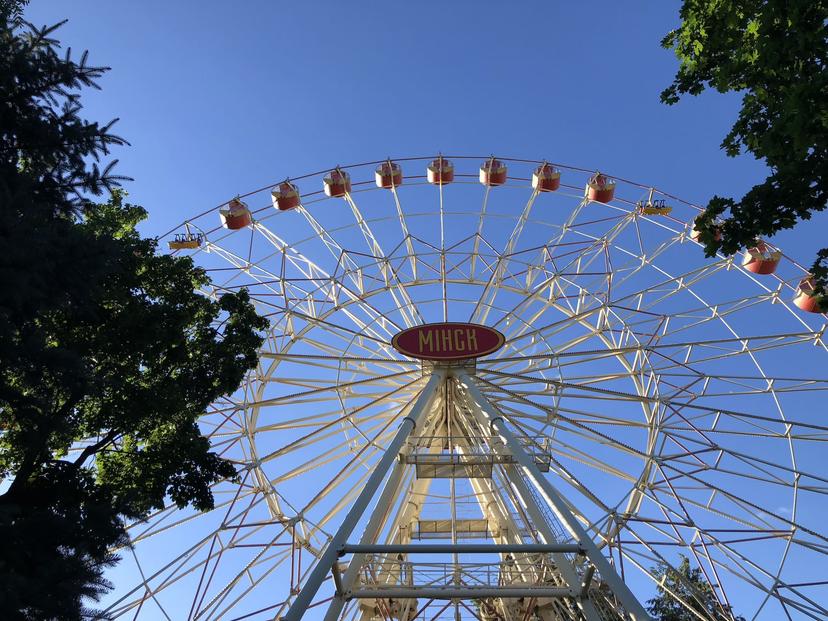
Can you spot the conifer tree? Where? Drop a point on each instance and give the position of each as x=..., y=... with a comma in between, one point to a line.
x=108, y=354
x=685, y=595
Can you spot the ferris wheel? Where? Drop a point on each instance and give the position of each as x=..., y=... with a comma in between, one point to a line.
x=497, y=389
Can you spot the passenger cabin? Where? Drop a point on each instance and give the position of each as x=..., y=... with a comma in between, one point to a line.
x=492, y=173
x=440, y=171
x=650, y=207
x=388, y=175
x=286, y=196
x=184, y=241
x=695, y=233
x=546, y=178
x=761, y=259
x=806, y=298
x=600, y=188
x=235, y=215
x=337, y=183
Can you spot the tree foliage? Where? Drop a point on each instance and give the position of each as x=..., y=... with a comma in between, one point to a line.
x=108, y=354
x=775, y=53
x=685, y=595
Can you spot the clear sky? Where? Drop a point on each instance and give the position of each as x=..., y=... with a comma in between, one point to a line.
x=220, y=98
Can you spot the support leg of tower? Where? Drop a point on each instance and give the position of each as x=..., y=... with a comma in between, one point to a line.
x=325, y=563
x=481, y=405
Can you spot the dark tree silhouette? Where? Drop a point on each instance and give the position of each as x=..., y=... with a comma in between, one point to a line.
x=108, y=356
x=685, y=595
x=775, y=53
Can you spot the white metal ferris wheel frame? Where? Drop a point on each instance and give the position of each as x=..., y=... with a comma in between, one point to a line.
x=310, y=287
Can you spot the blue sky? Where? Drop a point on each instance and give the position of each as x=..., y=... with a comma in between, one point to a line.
x=218, y=98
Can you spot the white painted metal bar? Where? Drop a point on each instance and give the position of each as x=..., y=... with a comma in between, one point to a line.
x=389, y=492
x=325, y=562
x=461, y=592
x=566, y=568
x=460, y=548
x=608, y=574
x=563, y=564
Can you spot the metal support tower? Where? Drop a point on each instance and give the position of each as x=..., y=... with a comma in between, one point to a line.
x=561, y=572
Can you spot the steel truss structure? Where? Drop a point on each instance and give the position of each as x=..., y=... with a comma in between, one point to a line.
x=649, y=404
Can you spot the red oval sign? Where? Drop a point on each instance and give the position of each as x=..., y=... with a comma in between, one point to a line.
x=448, y=341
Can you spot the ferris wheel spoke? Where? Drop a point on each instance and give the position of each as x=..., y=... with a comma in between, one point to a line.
x=168, y=518
x=677, y=282
x=458, y=258
x=330, y=362
x=746, y=517
x=579, y=456
x=534, y=291
x=589, y=332
x=594, y=392
x=364, y=329
x=329, y=350
x=203, y=587
x=260, y=276
x=406, y=235
x=750, y=507
x=570, y=221
x=600, y=249
x=327, y=429
x=599, y=418
x=355, y=462
x=336, y=454
x=744, y=342
x=479, y=233
x=799, y=476
x=700, y=534
x=212, y=609
x=347, y=498
x=319, y=420
x=670, y=535
x=165, y=577
x=580, y=262
x=289, y=256
x=291, y=398
x=635, y=264
x=654, y=556
x=750, y=569
x=580, y=427
x=406, y=309
x=339, y=254
x=318, y=435
x=487, y=297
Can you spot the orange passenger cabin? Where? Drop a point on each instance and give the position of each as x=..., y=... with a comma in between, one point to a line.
x=440, y=171
x=807, y=299
x=388, y=175
x=286, y=196
x=546, y=178
x=600, y=188
x=761, y=259
x=235, y=215
x=493, y=173
x=337, y=183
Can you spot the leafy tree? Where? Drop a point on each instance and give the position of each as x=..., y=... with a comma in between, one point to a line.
x=686, y=584
x=774, y=52
x=108, y=355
